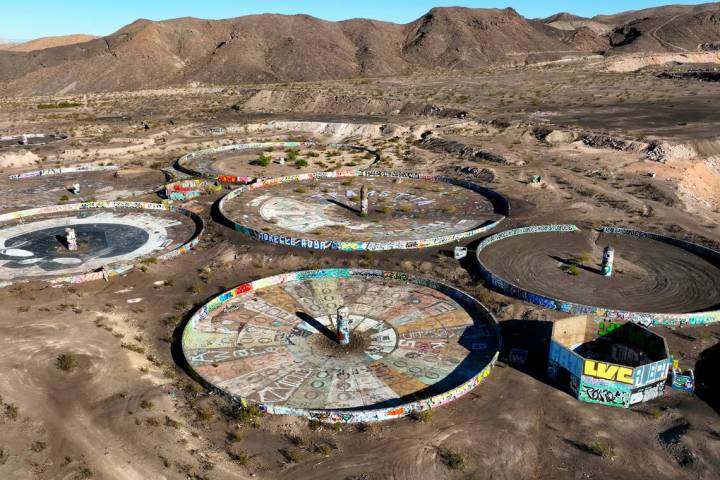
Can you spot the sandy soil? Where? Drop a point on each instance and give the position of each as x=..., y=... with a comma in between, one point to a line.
x=129, y=409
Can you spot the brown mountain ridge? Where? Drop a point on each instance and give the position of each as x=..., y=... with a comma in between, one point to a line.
x=279, y=48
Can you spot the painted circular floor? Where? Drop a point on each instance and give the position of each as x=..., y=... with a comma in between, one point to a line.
x=33, y=243
x=322, y=210
x=414, y=344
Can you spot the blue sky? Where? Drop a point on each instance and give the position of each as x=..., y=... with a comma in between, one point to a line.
x=27, y=19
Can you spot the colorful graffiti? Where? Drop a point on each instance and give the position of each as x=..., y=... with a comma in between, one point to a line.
x=500, y=205
x=684, y=381
x=64, y=170
x=189, y=189
x=416, y=344
x=574, y=363
x=607, y=371
x=642, y=318
x=108, y=270
x=613, y=394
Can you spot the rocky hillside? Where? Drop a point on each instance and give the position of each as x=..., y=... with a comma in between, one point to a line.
x=278, y=48
x=45, y=42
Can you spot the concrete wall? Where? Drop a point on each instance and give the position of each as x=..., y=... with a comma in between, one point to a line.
x=603, y=382
x=60, y=171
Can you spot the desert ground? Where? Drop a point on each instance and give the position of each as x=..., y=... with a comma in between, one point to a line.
x=613, y=144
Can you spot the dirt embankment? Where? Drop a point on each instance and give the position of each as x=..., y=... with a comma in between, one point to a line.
x=308, y=101
x=633, y=63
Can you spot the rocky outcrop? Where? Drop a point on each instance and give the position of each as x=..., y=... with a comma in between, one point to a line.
x=485, y=175
x=460, y=150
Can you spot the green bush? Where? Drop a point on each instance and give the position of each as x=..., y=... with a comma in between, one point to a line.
x=263, y=160
x=300, y=163
x=453, y=460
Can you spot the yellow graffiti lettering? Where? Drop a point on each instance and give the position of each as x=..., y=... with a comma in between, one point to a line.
x=608, y=372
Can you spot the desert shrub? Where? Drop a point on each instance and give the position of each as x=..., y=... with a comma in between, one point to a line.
x=38, y=446
x=47, y=106
x=573, y=269
x=291, y=455
x=263, y=161
x=422, y=417
x=603, y=448
x=66, y=362
x=239, y=457
x=205, y=413
x=248, y=414
x=583, y=258
x=453, y=460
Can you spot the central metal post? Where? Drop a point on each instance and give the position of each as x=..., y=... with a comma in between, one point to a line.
x=364, y=202
x=607, y=261
x=343, y=325
x=71, y=239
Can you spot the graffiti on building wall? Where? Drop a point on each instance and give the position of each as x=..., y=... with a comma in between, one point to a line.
x=614, y=394
x=648, y=392
x=566, y=358
x=652, y=372
x=608, y=371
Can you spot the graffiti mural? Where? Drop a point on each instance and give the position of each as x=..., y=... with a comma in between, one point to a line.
x=612, y=315
x=110, y=237
x=413, y=344
x=323, y=209
x=648, y=392
x=612, y=369
x=607, y=371
x=613, y=394
x=188, y=189
x=684, y=381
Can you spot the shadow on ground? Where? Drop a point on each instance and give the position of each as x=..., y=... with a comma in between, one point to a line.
x=707, y=378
